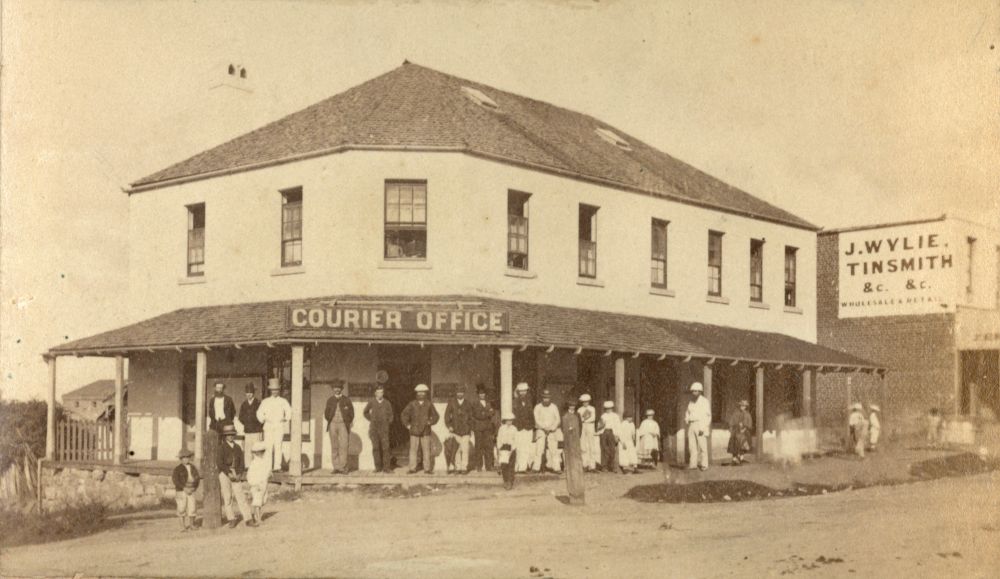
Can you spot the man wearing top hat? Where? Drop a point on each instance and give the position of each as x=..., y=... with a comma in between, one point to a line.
x=275, y=413
x=418, y=417
x=380, y=415
x=232, y=469
x=484, y=426
x=222, y=410
x=339, y=416
x=253, y=430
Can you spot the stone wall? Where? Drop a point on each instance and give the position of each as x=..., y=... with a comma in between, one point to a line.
x=116, y=490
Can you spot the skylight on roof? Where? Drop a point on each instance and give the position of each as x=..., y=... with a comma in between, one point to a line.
x=613, y=138
x=478, y=97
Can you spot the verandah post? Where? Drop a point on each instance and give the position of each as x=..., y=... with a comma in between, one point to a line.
x=295, y=460
x=201, y=376
x=620, y=385
x=117, y=450
x=758, y=422
x=50, y=418
x=506, y=380
x=706, y=376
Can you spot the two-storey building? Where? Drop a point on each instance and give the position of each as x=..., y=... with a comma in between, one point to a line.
x=421, y=228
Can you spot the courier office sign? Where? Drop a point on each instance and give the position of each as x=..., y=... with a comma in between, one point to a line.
x=891, y=271
x=398, y=319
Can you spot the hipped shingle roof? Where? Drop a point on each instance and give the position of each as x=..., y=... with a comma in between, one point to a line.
x=414, y=107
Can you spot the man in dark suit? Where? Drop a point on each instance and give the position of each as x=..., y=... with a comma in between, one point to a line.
x=221, y=410
x=253, y=430
x=418, y=417
x=484, y=426
x=458, y=419
x=379, y=414
x=339, y=415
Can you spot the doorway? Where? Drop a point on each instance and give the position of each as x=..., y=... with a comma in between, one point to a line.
x=405, y=366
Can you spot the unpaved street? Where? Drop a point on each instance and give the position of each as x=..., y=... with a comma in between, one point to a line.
x=942, y=528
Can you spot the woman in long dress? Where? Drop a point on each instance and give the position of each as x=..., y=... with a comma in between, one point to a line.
x=649, y=440
x=628, y=460
x=740, y=424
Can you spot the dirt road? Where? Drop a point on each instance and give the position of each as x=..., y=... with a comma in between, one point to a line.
x=944, y=528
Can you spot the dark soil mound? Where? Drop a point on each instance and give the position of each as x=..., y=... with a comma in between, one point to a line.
x=713, y=491
x=955, y=465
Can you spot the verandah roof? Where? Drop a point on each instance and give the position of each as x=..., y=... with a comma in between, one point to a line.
x=533, y=325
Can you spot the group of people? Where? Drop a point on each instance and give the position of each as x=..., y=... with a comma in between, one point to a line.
x=864, y=431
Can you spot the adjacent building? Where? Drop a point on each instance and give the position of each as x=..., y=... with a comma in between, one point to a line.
x=89, y=402
x=422, y=228
x=921, y=298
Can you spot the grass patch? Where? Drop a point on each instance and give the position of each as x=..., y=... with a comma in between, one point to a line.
x=27, y=528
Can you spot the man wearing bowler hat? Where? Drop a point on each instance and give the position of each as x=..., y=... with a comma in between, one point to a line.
x=339, y=416
x=275, y=413
x=485, y=422
x=418, y=417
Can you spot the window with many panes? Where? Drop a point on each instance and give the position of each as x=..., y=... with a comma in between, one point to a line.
x=196, y=240
x=291, y=227
x=757, y=270
x=658, y=257
x=790, y=267
x=714, y=263
x=405, y=219
x=517, y=230
x=588, y=240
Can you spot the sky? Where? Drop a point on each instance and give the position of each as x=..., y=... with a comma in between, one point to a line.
x=842, y=112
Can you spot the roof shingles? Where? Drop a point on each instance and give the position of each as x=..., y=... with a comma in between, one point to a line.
x=414, y=106
x=530, y=324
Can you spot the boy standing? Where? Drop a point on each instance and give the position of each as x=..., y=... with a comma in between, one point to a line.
x=507, y=449
x=185, y=478
x=874, y=426
x=258, y=476
x=607, y=428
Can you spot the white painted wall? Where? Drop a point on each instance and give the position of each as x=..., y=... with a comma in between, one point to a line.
x=985, y=274
x=467, y=197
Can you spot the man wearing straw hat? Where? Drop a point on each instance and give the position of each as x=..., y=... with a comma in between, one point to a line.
x=418, y=417
x=698, y=419
x=274, y=413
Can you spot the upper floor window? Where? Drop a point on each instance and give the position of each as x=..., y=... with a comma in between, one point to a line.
x=790, y=267
x=517, y=230
x=291, y=227
x=658, y=257
x=196, y=240
x=757, y=270
x=406, y=219
x=970, y=280
x=715, y=263
x=588, y=240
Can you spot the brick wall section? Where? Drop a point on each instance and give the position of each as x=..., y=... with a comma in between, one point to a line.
x=918, y=350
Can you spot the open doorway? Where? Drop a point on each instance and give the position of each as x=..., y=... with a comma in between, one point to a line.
x=405, y=367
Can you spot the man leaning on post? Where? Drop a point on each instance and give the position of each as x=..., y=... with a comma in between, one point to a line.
x=418, y=417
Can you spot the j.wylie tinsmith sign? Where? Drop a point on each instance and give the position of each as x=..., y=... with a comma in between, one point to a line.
x=906, y=269
x=398, y=319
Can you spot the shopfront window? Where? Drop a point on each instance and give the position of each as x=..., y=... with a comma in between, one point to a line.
x=517, y=230
x=406, y=220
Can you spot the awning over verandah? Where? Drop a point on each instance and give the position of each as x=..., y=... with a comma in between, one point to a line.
x=454, y=320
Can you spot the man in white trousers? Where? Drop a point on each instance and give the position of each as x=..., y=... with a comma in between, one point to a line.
x=274, y=413
x=698, y=419
x=547, y=428
x=524, y=422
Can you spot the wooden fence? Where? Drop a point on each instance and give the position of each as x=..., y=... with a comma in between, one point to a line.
x=78, y=440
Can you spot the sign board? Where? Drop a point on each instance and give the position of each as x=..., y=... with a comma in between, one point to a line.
x=398, y=319
x=898, y=270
